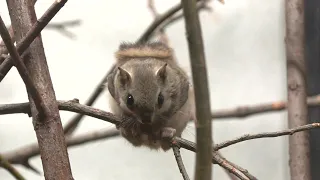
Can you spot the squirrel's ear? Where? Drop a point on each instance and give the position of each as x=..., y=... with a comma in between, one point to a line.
x=124, y=76
x=162, y=71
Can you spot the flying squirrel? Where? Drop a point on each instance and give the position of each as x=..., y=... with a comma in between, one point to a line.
x=150, y=93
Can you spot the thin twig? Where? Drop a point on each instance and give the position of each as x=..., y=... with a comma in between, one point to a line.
x=22, y=69
x=35, y=30
x=155, y=24
x=182, y=169
x=248, y=110
x=6, y=165
x=61, y=27
x=267, y=135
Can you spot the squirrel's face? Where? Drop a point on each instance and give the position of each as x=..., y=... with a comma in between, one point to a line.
x=143, y=92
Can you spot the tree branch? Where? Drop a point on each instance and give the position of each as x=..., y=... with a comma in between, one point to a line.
x=23, y=154
x=157, y=22
x=31, y=35
x=182, y=169
x=6, y=165
x=22, y=70
x=49, y=132
x=3, y=49
x=201, y=90
x=248, y=110
x=267, y=135
x=299, y=149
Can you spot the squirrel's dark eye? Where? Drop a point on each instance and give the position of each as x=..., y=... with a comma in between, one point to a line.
x=130, y=100
x=160, y=99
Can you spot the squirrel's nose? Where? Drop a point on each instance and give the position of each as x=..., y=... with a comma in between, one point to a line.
x=146, y=117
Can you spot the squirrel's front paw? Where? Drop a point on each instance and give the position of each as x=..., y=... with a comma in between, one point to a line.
x=168, y=132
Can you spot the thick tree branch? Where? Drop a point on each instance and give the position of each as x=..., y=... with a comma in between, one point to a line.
x=29, y=37
x=6, y=165
x=22, y=69
x=299, y=149
x=182, y=169
x=49, y=132
x=201, y=90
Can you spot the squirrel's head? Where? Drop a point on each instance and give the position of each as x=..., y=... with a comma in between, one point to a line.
x=144, y=90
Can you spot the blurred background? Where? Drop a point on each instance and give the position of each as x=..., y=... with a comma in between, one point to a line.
x=244, y=48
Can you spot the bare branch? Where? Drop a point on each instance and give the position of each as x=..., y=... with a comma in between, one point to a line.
x=299, y=149
x=182, y=169
x=248, y=110
x=267, y=135
x=157, y=22
x=71, y=126
x=49, y=132
x=201, y=90
x=29, y=37
x=22, y=70
x=24, y=153
x=73, y=106
x=6, y=165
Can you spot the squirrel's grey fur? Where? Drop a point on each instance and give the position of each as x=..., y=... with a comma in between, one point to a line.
x=144, y=71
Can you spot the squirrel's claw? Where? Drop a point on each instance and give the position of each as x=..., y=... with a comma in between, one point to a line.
x=168, y=132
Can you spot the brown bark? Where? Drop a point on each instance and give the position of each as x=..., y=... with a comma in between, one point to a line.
x=296, y=80
x=201, y=90
x=53, y=151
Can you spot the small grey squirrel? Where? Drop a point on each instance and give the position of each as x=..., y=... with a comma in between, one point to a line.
x=150, y=93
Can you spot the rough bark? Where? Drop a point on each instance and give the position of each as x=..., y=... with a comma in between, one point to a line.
x=296, y=81
x=53, y=151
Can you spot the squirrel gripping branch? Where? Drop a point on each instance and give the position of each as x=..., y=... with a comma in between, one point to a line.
x=150, y=93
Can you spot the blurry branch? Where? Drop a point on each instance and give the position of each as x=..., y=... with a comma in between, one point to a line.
x=267, y=135
x=245, y=111
x=161, y=33
x=71, y=126
x=3, y=48
x=35, y=30
x=61, y=27
x=299, y=148
x=182, y=169
x=22, y=155
x=6, y=165
x=158, y=21
x=22, y=69
x=203, y=169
